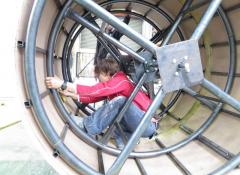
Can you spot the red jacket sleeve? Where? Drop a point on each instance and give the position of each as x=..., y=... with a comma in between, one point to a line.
x=100, y=91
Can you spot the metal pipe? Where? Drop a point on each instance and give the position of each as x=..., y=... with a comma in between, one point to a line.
x=177, y=21
x=197, y=5
x=207, y=103
x=138, y=16
x=179, y=165
x=227, y=167
x=30, y=72
x=211, y=105
x=206, y=19
x=118, y=163
x=73, y=15
x=221, y=94
x=119, y=117
x=118, y=24
x=215, y=147
x=155, y=153
x=65, y=64
x=152, y=6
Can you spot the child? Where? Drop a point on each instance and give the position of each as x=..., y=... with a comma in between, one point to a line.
x=115, y=87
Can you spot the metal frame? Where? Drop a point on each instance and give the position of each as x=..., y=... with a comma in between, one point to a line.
x=48, y=130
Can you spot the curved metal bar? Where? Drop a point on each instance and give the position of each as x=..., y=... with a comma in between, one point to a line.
x=148, y=4
x=121, y=26
x=177, y=21
x=232, y=46
x=33, y=91
x=171, y=103
x=224, y=96
x=138, y=16
x=227, y=167
x=72, y=41
x=73, y=15
x=65, y=64
x=206, y=19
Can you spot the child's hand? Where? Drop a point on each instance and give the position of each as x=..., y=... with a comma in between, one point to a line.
x=66, y=93
x=53, y=82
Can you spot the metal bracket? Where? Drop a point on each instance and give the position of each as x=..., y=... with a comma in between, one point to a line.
x=28, y=103
x=180, y=65
x=150, y=67
x=56, y=153
x=20, y=44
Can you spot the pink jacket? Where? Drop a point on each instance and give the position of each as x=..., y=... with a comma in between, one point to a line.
x=118, y=85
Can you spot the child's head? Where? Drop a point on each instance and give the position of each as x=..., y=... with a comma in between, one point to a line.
x=106, y=68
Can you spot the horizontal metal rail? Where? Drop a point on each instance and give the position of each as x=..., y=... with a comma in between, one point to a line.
x=179, y=165
x=218, y=149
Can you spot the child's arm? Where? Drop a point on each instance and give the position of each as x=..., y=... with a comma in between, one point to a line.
x=56, y=83
x=69, y=94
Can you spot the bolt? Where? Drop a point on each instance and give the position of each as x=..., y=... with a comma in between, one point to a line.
x=176, y=73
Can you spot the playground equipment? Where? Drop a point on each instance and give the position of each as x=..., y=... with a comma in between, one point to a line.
x=195, y=46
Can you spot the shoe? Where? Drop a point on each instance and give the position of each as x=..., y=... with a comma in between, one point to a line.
x=119, y=143
x=79, y=121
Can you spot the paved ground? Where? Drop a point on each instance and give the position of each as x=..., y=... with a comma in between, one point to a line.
x=18, y=156
x=17, y=153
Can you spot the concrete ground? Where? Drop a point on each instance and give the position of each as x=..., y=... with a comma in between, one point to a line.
x=18, y=155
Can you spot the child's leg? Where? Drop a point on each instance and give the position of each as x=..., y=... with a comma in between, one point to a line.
x=133, y=117
x=103, y=116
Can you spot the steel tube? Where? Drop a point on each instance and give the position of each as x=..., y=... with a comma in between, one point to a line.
x=227, y=167
x=117, y=165
x=177, y=21
x=197, y=5
x=73, y=15
x=214, y=146
x=65, y=64
x=206, y=19
x=147, y=4
x=118, y=24
x=174, y=159
x=124, y=109
x=221, y=94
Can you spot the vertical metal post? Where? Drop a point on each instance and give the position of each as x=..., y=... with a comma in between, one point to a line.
x=117, y=165
x=118, y=24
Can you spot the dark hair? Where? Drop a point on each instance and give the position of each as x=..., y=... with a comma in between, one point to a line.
x=107, y=66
